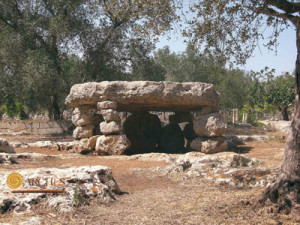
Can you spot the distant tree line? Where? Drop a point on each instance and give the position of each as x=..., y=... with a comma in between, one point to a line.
x=48, y=46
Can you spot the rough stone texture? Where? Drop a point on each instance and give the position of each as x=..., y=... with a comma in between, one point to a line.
x=145, y=95
x=180, y=117
x=110, y=115
x=107, y=105
x=83, y=132
x=143, y=130
x=209, y=125
x=86, y=145
x=5, y=146
x=67, y=114
x=110, y=127
x=171, y=139
x=88, y=182
x=83, y=117
x=209, y=146
x=112, y=145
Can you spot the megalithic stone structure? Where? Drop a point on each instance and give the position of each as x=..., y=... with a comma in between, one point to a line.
x=98, y=106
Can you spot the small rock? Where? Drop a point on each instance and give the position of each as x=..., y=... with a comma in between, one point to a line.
x=110, y=127
x=209, y=146
x=110, y=115
x=112, y=145
x=83, y=132
x=5, y=146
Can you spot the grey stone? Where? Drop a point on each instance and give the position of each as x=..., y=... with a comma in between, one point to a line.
x=110, y=115
x=110, y=127
x=209, y=146
x=145, y=95
x=209, y=125
x=112, y=145
x=83, y=132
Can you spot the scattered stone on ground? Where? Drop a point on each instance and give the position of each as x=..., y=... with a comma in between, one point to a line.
x=209, y=146
x=222, y=168
x=6, y=147
x=81, y=184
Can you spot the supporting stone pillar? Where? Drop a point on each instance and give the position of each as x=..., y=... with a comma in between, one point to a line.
x=235, y=116
x=85, y=122
x=112, y=142
x=210, y=129
x=245, y=118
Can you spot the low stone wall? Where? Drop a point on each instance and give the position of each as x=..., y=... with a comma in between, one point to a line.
x=37, y=127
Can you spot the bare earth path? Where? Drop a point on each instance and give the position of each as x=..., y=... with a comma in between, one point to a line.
x=159, y=199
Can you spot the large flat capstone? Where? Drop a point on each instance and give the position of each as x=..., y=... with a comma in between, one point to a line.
x=145, y=95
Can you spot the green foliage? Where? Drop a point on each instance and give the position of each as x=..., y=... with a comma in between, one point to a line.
x=192, y=65
x=13, y=108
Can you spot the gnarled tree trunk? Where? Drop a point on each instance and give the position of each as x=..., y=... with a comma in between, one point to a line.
x=285, y=114
x=286, y=191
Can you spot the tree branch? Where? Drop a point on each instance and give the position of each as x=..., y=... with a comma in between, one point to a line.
x=271, y=12
x=284, y=5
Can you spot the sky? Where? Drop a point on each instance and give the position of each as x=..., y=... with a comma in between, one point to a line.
x=283, y=61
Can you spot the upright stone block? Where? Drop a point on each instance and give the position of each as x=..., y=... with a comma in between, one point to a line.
x=209, y=125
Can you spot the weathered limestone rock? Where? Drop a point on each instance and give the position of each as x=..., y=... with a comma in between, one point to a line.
x=83, y=132
x=171, y=139
x=110, y=127
x=209, y=125
x=81, y=185
x=112, y=145
x=110, y=115
x=107, y=105
x=86, y=145
x=209, y=146
x=83, y=117
x=145, y=95
x=5, y=146
x=180, y=117
x=143, y=130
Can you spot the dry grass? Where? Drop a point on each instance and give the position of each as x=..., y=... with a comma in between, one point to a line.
x=153, y=199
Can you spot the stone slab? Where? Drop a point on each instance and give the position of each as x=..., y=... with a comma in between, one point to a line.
x=145, y=95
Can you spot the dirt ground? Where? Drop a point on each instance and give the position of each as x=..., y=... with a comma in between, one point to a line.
x=159, y=199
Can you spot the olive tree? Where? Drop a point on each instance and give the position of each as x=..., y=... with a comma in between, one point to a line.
x=232, y=29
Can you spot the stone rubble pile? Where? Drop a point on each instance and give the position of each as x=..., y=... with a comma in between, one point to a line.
x=222, y=168
x=80, y=185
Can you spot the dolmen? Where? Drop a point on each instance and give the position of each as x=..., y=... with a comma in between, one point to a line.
x=120, y=117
